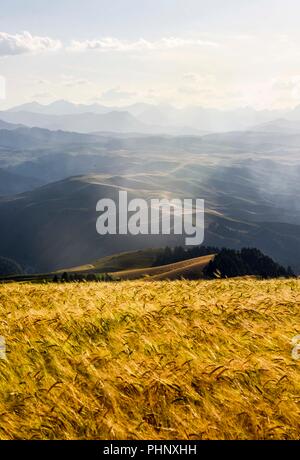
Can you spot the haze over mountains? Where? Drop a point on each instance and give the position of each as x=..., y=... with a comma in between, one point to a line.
x=51, y=179
x=144, y=118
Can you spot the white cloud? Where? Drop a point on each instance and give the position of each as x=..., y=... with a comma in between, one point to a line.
x=285, y=90
x=286, y=83
x=114, y=44
x=25, y=43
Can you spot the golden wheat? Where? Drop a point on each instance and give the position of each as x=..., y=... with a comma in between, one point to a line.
x=150, y=360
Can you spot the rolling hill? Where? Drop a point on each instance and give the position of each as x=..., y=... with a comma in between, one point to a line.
x=191, y=268
x=130, y=260
x=249, y=181
x=138, y=264
x=54, y=226
x=28, y=138
x=280, y=125
x=12, y=183
x=8, y=126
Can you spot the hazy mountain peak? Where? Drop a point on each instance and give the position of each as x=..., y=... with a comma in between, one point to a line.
x=28, y=107
x=280, y=125
x=158, y=118
x=62, y=103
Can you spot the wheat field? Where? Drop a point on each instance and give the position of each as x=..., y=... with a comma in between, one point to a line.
x=150, y=360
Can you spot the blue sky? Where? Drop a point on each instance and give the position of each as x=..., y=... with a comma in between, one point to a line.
x=218, y=53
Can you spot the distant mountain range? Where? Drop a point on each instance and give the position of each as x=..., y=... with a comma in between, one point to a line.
x=23, y=137
x=279, y=126
x=8, y=126
x=81, y=123
x=146, y=118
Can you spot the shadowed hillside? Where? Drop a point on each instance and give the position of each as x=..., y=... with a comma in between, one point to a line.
x=54, y=226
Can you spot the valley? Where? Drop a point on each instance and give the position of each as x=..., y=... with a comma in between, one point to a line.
x=51, y=182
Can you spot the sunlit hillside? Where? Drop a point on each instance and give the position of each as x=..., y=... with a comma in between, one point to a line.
x=185, y=269
x=150, y=360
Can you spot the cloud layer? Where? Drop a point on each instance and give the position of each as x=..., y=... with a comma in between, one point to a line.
x=202, y=68
x=114, y=44
x=25, y=43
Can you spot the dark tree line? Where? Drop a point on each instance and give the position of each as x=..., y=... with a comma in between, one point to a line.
x=80, y=277
x=227, y=262
x=248, y=261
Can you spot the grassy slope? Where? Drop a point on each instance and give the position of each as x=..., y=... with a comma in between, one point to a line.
x=197, y=359
x=125, y=261
x=116, y=262
x=171, y=271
